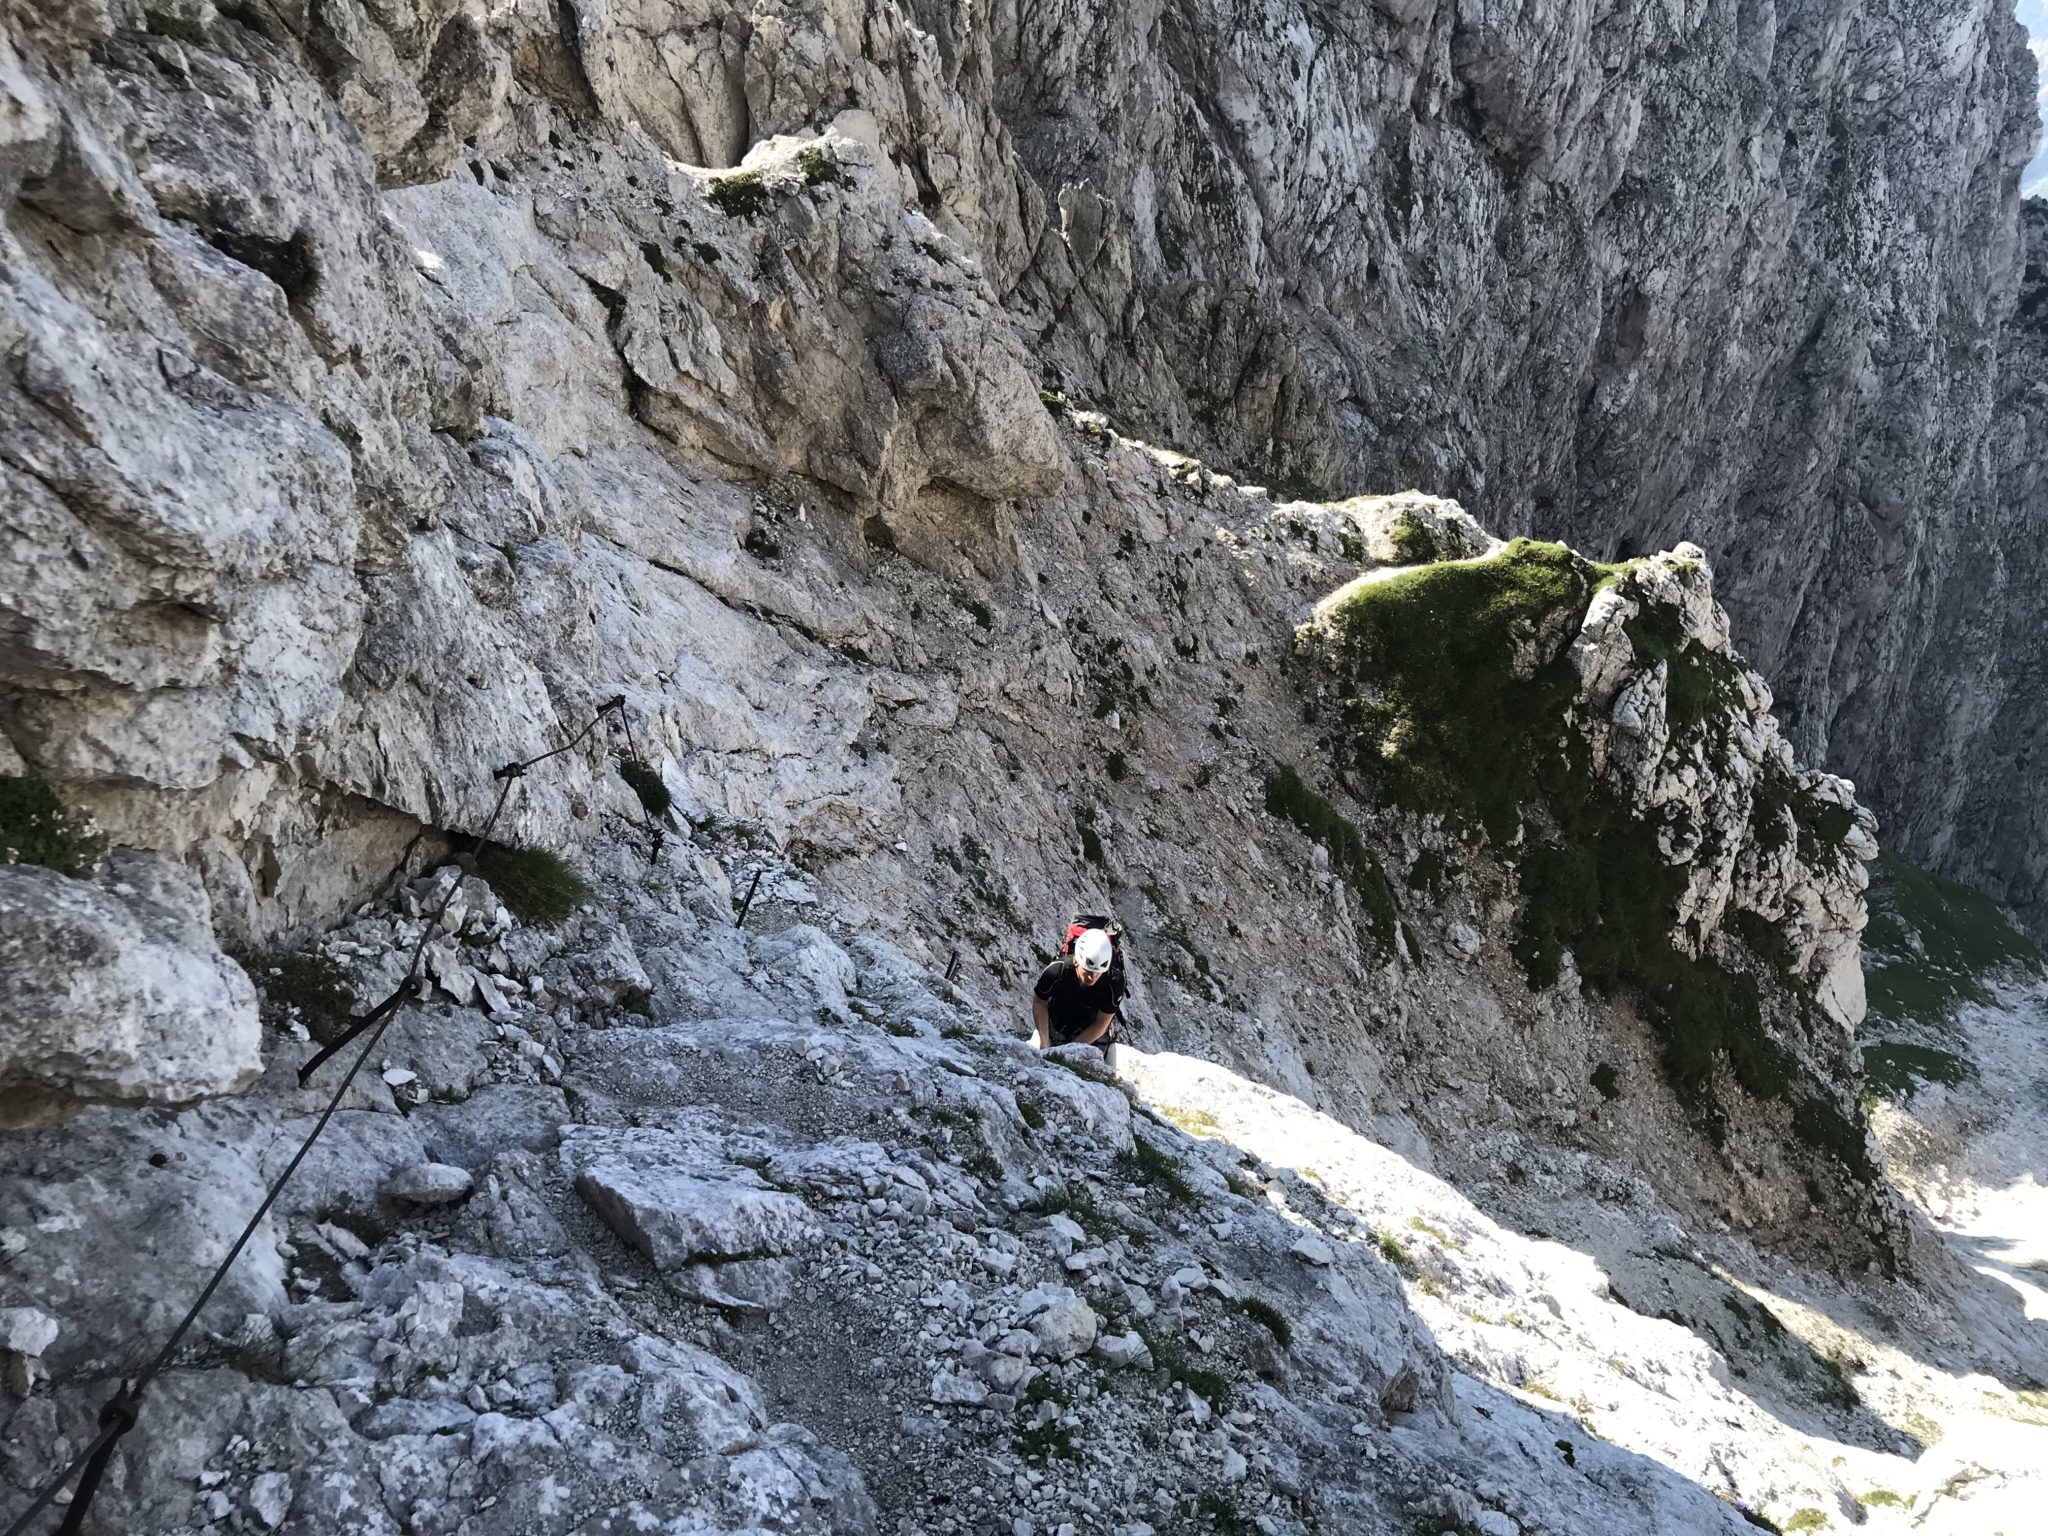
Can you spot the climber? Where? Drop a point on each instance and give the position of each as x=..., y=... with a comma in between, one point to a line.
x=1077, y=996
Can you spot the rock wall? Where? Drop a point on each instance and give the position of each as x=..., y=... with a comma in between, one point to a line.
x=364, y=449
x=1730, y=275
x=1975, y=806
x=386, y=386
x=1739, y=273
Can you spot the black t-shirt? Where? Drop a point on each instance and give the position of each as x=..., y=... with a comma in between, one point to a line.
x=1071, y=1007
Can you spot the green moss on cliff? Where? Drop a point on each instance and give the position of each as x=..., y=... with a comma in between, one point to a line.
x=1414, y=544
x=1933, y=943
x=1702, y=685
x=1442, y=721
x=741, y=195
x=1459, y=692
x=1290, y=799
x=38, y=828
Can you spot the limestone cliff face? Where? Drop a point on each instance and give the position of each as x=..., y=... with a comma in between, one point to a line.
x=388, y=387
x=1974, y=765
x=1738, y=273
x=386, y=384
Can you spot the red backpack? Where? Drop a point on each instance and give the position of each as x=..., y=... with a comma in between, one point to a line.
x=1081, y=922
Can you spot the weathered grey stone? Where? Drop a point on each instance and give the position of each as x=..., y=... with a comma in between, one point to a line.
x=656, y=1192
x=1121, y=1350
x=1061, y=1324
x=116, y=990
x=1312, y=1250
x=430, y=1184
x=25, y=1331
x=270, y=1499
x=956, y=1387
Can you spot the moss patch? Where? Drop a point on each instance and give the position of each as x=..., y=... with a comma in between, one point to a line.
x=741, y=195
x=1290, y=799
x=1932, y=943
x=302, y=984
x=38, y=828
x=1440, y=718
x=1894, y=1068
x=537, y=885
x=1414, y=543
x=1458, y=692
x=819, y=168
x=1701, y=685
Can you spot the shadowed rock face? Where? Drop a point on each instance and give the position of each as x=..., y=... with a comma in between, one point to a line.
x=1984, y=815
x=1614, y=274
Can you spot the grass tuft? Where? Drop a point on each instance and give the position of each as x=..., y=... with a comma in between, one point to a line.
x=1414, y=544
x=741, y=195
x=1275, y=1320
x=305, y=984
x=1147, y=1163
x=819, y=168
x=1168, y=1356
x=646, y=782
x=537, y=885
x=38, y=828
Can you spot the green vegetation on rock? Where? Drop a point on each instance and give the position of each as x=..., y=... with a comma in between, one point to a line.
x=646, y=783
x=1414, y=543
x=1458, y=689
x=819, y=168
x=1291, y=800
x=1894, y=1068
x=1702, y=685
x=38, y=828
x=1442, y=718
x=537, y=885
x=1932, y=944
x=1272, y=1317
x=741, y=195
x=308, y=985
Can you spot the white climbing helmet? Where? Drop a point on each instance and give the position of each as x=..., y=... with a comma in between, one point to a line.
x=1092, y=952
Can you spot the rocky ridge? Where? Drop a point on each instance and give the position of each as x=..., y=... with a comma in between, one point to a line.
x=484, y=372
x=792, y=1242
x=680, y=1226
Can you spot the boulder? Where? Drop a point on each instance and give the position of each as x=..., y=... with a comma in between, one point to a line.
x=662, y=1195
x=116, y=991
x=1061, y=1324
x=1123, y=1349
x=430, y=1184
